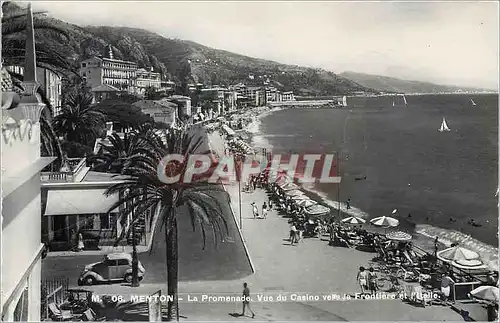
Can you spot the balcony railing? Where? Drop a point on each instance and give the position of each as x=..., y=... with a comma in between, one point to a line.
x=75, y=166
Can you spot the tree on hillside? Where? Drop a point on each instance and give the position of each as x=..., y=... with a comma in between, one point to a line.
x=145, y=191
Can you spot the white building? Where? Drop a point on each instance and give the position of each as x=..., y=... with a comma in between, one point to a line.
x=21, y=226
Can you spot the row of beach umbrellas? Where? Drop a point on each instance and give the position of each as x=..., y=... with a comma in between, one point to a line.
x=293, y=191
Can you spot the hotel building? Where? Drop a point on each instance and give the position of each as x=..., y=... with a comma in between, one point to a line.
x=147, y=79
x=109, y=71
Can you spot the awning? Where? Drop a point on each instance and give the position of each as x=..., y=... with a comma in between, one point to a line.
x=78, y=201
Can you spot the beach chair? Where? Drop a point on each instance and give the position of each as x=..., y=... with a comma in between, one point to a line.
x=419, y=297
x=90, y=316
x=57, y=314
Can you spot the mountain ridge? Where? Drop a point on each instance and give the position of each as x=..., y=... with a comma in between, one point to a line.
x=393, y=84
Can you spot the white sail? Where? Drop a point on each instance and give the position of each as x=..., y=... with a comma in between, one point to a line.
x=472, y=101
x=344, y=101
x=444, y=126
x=404, y=98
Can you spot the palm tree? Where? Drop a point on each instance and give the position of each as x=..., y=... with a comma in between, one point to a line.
x=78, y=119
x=13, y=42
x=113, y=157
x=145, y=191
x=14, y=25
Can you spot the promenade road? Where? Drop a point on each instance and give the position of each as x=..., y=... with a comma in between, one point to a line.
x=311, y=267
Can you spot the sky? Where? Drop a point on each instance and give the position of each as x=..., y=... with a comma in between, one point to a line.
x=453, y=43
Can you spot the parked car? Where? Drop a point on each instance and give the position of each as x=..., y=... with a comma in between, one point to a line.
x=114, y=267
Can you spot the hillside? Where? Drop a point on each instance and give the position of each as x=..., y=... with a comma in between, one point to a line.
x=390, y=84
x=186, y=61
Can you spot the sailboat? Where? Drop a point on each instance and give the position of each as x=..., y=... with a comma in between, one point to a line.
x=472, y=101
x=444, y=126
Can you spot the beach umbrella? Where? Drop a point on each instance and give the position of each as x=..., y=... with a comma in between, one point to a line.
x=457, y=253
x=290, y=187
x=385, y=221
x=317, y=209
x=486, y=293
x=294, y=193
x=399, y=236
x=299, y=197
x=462, y=258
x=306, y=203
x=353, y=220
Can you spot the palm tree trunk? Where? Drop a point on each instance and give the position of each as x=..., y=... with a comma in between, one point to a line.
x=172, y=266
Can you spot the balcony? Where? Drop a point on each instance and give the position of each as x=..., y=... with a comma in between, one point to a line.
x=76, y=172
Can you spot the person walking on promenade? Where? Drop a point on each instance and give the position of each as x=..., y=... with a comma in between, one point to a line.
x=372, y=280
x=362, y=279
x=246, y=300
x=264, y=210
x=348, y=203
x=446, y=283
x=81, y=245
x=255, y=210
x=293, y=233
x=270, y=205
x=436, y=246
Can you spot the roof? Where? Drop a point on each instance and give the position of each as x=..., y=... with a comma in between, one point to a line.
x=103, y=177
x=109, y=59
x=105, y=88
x=181, y=97
x=119, y=255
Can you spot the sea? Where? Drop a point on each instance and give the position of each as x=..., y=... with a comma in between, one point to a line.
x=394, y=157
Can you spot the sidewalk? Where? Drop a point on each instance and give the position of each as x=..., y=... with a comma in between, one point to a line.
x=103, y=251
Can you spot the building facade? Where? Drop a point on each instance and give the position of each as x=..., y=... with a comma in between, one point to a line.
x=288, y=96
x=21, y=245
x=120, y=74
x=50, y=83
x=66, y=210
x=145, y=79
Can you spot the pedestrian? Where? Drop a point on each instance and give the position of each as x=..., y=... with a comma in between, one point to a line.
x=255, y=210
x=446, y=283
x=372, y=280
x=436, y=246
x=254, y=182
x=293, y=233
x=81, y=245
x=246, y=300
x=362, y=279
x=264, y=210
x=270, y=205
x=73, y=241
x=348, y=203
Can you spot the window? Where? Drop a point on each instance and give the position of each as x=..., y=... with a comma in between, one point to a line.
x=122, y=262
x=108, y=222
x=84, y=64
